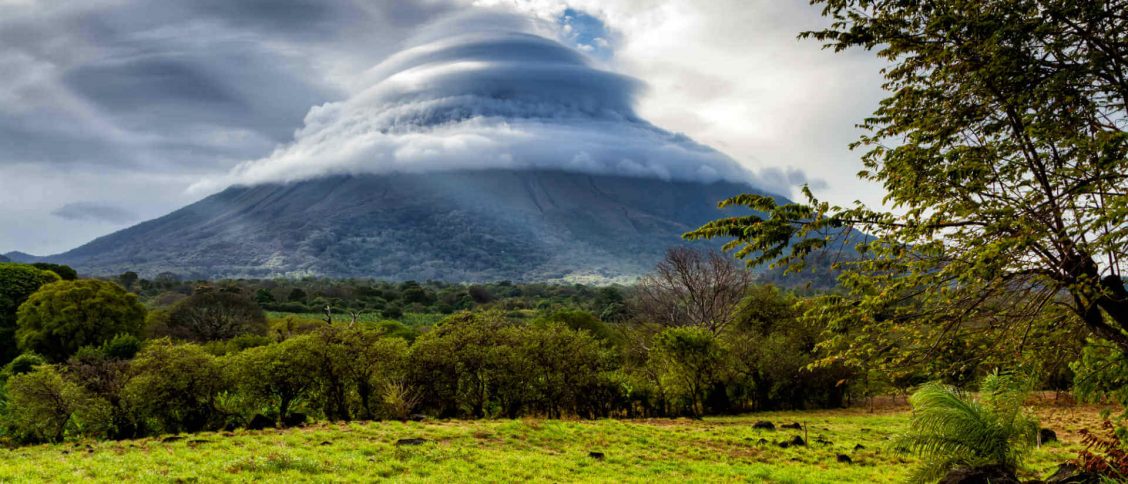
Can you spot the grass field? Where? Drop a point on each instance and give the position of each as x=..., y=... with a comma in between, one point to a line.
x=681, y=450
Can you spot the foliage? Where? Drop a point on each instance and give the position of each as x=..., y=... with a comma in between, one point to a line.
x=43, y=407
x=773, y=351
x=173, y=387
x=1101, y=371
x=1105, y=455
x=276, y=376
x=950, y=429
x=211, y=314
x=64, y=272
x=1003, y=152
x=64, y=316
x=689, y=360
x=17, y=283
x=24, y=363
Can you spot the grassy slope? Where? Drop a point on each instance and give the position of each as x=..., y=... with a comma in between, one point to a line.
x=715, y=449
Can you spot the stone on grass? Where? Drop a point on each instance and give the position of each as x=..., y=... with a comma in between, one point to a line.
x=980, y=475
x=1046, y=436
x=1069, y=473
x=415, y=441
x=843, y=458
x=763, y=425
x=596, y=455
x=792, y=426
x=260, y=422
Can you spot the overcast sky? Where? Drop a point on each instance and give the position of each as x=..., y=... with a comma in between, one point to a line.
x=117, y=111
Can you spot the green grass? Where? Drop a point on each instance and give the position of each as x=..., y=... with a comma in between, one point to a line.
x=710, y=450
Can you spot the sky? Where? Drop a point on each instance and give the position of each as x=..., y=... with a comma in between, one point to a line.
x=113, y=112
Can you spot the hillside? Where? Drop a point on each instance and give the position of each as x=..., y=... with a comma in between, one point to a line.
x=459, y=226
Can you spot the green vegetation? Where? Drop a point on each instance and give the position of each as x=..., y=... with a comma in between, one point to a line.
x=949, y=429
x=63, y=316
x=710, y=450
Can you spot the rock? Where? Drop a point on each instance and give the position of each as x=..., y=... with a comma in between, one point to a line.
x=596, y=455
x=792, y=426
x=763, y=425
x=798, y=441
x=980, y=475
x=171, y=438
x=859, y=447
x=324, y=443
x=820, y=439
x=411, y=442
x=1046, y=436
x=762, y=441
x=418, y=417
x=230, y=427
x=260, y=422
x=843, y=458
x=783, y=444
x=1069, y=473
x=198, y=441
x=295, y=419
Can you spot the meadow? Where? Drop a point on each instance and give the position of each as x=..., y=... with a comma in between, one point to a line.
x=712, y=449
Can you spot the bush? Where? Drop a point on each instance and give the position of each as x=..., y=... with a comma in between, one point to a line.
x=122, y=347
x=210, y=315
x=22, y=364
x=949, y=429
x=64, y=316
x=174, y=387
x=43, y=407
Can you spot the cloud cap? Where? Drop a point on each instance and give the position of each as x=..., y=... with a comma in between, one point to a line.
x=486, y=90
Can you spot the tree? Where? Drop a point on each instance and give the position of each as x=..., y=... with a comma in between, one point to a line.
x=64, y=272
x=276, y=376
x=690, y=360
x=128, y=279
x=174, y=387
x=210, y=315
x=1003, y=153
x=44, y=407
x=64, y=316
x=17, y=283
x=692, y=288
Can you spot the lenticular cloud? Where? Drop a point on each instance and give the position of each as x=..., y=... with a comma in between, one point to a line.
x=486, y=91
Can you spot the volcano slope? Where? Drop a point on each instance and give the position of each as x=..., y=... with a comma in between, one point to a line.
x=540, y=225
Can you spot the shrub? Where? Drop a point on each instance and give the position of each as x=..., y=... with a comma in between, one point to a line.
x=949, y=429
x=64, y=316
x=173, y=387
x=24, y=363
x=121, y=347
x=43, y=407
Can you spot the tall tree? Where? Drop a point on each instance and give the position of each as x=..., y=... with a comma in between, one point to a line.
x=1003, y=153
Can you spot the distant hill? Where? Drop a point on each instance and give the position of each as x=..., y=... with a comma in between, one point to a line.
x=4, y=259
x=455, y=226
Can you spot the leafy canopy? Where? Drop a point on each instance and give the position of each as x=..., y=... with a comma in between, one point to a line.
x=1003, y=154
x=64, y=316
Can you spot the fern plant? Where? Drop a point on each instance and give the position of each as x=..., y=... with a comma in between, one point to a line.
x=951, y=429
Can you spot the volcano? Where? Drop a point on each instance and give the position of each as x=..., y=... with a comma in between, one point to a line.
x=527, y=225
